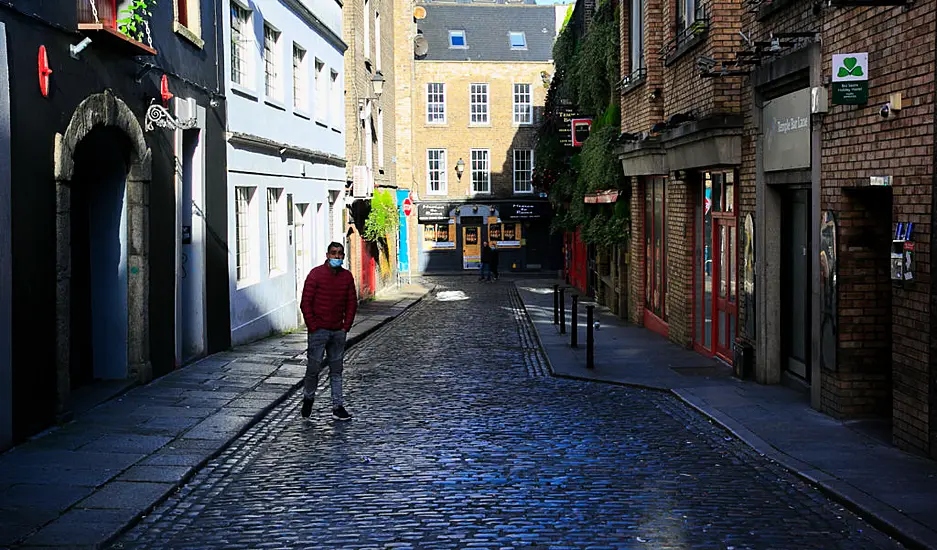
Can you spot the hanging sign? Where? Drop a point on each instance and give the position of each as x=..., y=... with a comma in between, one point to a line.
x=851, y=79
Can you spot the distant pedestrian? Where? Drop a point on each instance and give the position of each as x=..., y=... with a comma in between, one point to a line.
x=494, y=261
x=486, y=262
x=329, y=304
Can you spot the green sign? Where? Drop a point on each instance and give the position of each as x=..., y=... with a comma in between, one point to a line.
x=851, y=79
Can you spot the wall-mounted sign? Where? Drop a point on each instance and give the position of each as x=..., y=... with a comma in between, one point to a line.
x=880, y=181
x=581, y=128
x=786, y=123
x=566, y=114
x=432, y=212
x=524, y=210
x=851, y=79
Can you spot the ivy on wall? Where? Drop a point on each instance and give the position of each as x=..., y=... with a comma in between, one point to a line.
x=383, y=218
x=585, y=81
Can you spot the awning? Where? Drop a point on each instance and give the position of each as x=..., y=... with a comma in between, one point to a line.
x=602, y=197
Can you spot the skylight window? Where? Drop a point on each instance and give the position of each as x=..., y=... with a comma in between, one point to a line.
x=518, y=41
x=457, y=39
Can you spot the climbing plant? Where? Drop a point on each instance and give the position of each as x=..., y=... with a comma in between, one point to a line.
x=585, y=82
x=137, y=14
x=383, y=219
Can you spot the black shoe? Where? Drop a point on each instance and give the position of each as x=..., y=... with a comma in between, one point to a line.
x=339, y=413
x=307, y=408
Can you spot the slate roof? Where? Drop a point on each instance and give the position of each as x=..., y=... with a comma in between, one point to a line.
x=486, y=29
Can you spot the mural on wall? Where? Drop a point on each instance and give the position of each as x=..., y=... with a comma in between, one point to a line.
x=828, y=324
x=748, y=275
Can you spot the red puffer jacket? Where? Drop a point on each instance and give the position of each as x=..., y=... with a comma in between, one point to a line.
x=329, y=299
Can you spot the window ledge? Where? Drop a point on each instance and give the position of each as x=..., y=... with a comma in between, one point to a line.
x=276, y=273
x=117, y=39
x=686, y=45
x=770, y=7
x=436, y=125
x=479, y=125
x=633, y=81
x=336, y=130
x=244, y=283
x=437, y=193
x=244, y=91
x=322, y=123
x=275, y=103
x=523, y=192
x=301, y=113
x=188, y=34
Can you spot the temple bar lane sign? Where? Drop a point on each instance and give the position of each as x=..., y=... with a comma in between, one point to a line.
x=851, y=79
x=432, y=212
x=524, y=211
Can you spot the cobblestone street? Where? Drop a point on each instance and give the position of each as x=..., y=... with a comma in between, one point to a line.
x=461, y=439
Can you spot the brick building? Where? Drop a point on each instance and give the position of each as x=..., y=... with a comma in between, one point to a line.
x=803, y=201
x=369, y=30
x=475, y=98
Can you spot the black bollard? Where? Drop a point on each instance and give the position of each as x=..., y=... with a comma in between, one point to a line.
x=574, y=323
x=556, y=304
x=590, y=337
x=563, y=310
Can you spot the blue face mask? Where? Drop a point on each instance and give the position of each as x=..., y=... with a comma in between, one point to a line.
x=335, y=262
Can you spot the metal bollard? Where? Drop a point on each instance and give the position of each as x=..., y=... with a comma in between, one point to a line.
x=590, y=338
x=562, y=310
x=556, y=304
x=574, y=323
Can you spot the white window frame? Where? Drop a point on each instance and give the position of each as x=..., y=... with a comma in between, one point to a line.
x=479, y=99
x=322, y=93
x=529, y=172
x=335, y=98
x=241, y=41
x=460, y=33
x=523, y=40
x=273, y=84
x=367, y=29
x=276, y=231
x=245, y=234
x=480, y=166
x=300, y=79
x=439, y=171
x=192, y=28
x=688, y=15
x=377, y=40
x=435, y=97
x=380, y=138
x=636, y=35
x=523, y=110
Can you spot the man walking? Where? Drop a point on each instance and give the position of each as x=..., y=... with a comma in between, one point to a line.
x=329, y=304
x=486, y=262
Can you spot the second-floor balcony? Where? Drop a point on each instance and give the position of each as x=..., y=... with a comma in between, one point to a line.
x=100, y=20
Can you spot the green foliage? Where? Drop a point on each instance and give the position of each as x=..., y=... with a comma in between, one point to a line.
x=383, y=218
x=134, y=24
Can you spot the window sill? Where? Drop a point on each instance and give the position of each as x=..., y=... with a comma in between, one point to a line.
x=442, y=193
x=523, y=124
x=322, y=123
x=117, y=39
x=245, y=283
x=276, y=273
x=636, y=81
x=188, y=34
x=336, y=130
x=276, y=104
x=301, y=114
x=693, y=41
x=242, y=90
x=479, y=125
x=516, y=192
x=436, y=125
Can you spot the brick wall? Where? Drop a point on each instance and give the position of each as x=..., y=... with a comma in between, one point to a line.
x=404, y=31
x=639, y=112
x=636, y=274
x=458, y=137
x=679, y=262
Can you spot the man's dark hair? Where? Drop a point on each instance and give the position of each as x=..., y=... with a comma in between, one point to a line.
x=334, y=244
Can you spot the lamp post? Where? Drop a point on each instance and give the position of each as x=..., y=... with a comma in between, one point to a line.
x=459, y=168
x=377, y=84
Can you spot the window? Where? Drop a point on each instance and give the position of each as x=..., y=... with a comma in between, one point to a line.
x=457, y=39
x=377, y=41
x=245, y=210
x=322, y=98
x=271, y=74
x=436, y=172
x=523, y=170
x=636, y=35
x=367, y=29
x=187, y=15
x=655, y=245
x=275, y=234
x=523, y=109
x=438, y=235
x=478, y=103
x=686, y=14
x=299, y=78
x=518, y=40
x=335, y=87
x=481, y=171
x=507, y=235
x=380, y=138
x=240, y=44
x=436, y=103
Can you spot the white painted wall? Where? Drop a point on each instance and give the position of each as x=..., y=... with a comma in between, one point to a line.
x=267, y=303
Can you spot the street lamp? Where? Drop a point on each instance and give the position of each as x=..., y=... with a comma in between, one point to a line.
x=378, y=84
x=459, y=168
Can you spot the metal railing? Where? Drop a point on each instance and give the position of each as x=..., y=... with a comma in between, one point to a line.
x=685, y=32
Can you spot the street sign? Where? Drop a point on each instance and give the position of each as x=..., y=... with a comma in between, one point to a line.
x=851, y=79
x=407, y=207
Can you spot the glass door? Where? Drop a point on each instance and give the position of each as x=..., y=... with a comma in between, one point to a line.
x=726, y=301
x=715, y=276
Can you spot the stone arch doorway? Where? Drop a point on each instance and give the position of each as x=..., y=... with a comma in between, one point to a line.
x=104, y=117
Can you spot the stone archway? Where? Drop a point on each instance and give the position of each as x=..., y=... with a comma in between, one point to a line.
x=104, y=109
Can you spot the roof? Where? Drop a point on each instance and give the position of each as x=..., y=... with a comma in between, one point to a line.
x=487, y=28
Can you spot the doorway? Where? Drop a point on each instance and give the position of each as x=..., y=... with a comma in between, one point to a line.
x=471, y=247
x=190, y=272
x=98, y=310
x=303, y=250
x=795, y=282
x=726, y=301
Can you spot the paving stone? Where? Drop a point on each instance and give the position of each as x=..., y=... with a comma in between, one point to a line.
x=126, y=495
x=460, y=440
x=157, y=473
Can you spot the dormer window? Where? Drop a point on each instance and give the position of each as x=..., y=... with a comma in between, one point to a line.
x=518, y=40
x=457, y=39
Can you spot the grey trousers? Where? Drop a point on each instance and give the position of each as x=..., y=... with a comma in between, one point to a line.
x=325, y=346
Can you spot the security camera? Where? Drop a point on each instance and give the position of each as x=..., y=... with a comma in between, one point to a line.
x=885, y=111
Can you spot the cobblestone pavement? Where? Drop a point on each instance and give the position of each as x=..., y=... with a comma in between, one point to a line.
x=460, y=441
